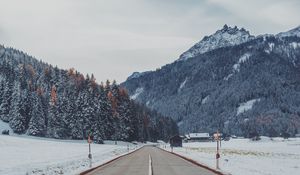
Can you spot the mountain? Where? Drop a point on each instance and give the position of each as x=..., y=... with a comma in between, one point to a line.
x=225, y=37
x=230, y=81
x=41, y=100
x=137, y=74
x=293, y=32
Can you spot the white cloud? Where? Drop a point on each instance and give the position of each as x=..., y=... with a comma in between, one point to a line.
x=262, y=16
x=114, y=38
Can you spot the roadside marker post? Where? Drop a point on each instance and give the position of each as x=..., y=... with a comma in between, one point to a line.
x=217, y=138
x=90, y=154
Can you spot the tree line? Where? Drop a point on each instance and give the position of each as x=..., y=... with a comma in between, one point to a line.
x=41, y=100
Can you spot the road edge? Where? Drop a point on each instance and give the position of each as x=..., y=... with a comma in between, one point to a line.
x=195, y=162
x=108, y=162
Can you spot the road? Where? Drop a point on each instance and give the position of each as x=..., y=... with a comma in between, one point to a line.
x=163, y=163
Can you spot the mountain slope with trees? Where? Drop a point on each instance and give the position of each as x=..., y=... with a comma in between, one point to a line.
x=41, y=100
x=246, y=88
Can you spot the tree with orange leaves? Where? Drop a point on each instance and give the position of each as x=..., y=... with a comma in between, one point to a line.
x=113, y=102
x=53, y=96
x=123, y=92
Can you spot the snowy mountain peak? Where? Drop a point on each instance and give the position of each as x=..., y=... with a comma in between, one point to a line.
x=293, y=32
x=137, y=75
x=227, y=36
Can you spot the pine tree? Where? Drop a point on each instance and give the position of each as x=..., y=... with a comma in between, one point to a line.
x=73, y=123
x=54, y=127
x=6, y=101
x=106, y=113
x=88, y=113
x=78, y=129
x=1, y=91
x=17, y=119
x=37, y=124
x=98, y=124
x=56, y=103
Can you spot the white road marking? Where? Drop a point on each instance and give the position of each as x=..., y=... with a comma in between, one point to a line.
x=150, y=165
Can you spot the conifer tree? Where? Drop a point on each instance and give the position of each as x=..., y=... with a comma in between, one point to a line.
x=46, y=101
x=37, y=124
x=17, y=119
x=6, y=102
x=54, y=121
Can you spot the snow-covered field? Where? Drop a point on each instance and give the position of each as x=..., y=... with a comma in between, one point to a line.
x=245, y=157
x=25, y=155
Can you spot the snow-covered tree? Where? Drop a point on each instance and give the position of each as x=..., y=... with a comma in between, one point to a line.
x=37, y=124
x=47, y=101
x=6, y=101
x=55, y=122
x=17, y=112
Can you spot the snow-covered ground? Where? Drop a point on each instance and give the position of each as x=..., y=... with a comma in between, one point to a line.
x=138, y=91
x=243, y=107
x=245, y=157
x=5, y=126
x=25, y=155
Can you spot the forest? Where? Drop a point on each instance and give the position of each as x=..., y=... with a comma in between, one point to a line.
x=39, y=99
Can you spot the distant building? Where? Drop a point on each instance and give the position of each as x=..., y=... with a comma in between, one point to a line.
x=198, y=137
x=176, y=141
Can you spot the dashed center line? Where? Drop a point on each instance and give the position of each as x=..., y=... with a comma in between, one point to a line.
x=150, y=165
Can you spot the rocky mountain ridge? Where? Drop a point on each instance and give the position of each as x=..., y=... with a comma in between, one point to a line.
x=250, y=86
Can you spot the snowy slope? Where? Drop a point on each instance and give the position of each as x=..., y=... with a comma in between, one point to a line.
x=138, y=91
x=243, y=107
x=293, y=32
x=33, y=155
x=5, y=126
x=227, y=36
x=137, y=74
x=245, y=157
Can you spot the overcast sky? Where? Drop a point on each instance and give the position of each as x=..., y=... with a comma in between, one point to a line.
x=113, y=38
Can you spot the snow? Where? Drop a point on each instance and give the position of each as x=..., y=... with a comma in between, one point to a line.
x=242, y=59
x=243, y=107
x=148, y=103
x=138, y=91
x=293, y=32
x=5, y=126
x=228, y=76
x=137, y=75
x=36, y=156
x=222, y=38
x=182, y=84
x=179, y=123
x=265, y=36
x=236, y=66
x=270, y=48
x=204, y=100
x=1, y=78
x=295, y=45
x=245, y=157
x=198, y=135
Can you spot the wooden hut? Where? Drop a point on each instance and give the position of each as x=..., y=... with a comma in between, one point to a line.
x=176, y=141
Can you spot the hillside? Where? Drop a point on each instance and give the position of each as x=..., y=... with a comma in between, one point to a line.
x=231, y=81
x=41, y=100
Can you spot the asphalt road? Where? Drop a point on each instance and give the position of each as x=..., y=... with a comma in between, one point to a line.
x=163, y=163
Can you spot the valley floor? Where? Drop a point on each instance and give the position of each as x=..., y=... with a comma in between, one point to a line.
x=245, y=157
x=24, y=155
